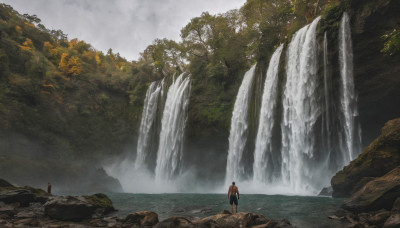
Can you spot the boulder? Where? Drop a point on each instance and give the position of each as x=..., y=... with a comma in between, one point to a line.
x=21, y=196
x=69, y=208
x=175, y=222
x=243, y=219
x=142, y=218
x=327, y=191
x=380, y=157
x=377, y=194
x=379, y=218
x=7, y=210
x=396, y=205
x=393, y=221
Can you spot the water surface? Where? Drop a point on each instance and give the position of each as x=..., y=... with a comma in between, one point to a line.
x=301, y=211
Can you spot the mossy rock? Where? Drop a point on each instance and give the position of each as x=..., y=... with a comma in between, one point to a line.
x=100, y=200
x=380, y=157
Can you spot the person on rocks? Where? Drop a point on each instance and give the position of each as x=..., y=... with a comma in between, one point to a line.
x=233, y=190
x=49, y=188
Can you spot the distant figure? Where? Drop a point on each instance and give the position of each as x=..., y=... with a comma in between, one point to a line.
x=233, y=190
x=49, y=188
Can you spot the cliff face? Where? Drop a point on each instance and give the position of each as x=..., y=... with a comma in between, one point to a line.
x=377, y=76
x=380, y=157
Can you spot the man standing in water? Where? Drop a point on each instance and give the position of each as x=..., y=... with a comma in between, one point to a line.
x=233, y=190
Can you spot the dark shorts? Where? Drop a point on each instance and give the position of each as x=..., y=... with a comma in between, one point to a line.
x=233, y=199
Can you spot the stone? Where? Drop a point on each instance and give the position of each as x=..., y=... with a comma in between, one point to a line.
x=7, y=210
x=243, y=219
x=226, y=212
x=142, y=218
x=379, y=218
x=25, y=214
x=376, y=194
x=175, y=222
x=69, y=208
x=396, y=205
x=376, y=160
x=24, y=197
x=393, y=221
x=327, y=191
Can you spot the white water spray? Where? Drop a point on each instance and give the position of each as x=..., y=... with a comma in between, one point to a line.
x=348, y=99
x=239, y=126
x=301, y=110
x=263, y=150
x=147, y=122
x=169, y=155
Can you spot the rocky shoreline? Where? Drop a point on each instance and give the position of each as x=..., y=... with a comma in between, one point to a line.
x=30, y=207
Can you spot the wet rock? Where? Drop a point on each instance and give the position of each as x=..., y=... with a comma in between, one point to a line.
x=226, y=212
x=24, y=197
x=327, y=191
x=7, y=210
x=175, y=222
x=377, y=194
x=25, y=214
x=243, y=219
x=393, y=221
x=69, y=208
x=142, y=218
x=379, y=218
x=396, y=205
x=376, y=160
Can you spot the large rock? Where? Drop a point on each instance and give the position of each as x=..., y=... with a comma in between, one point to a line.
x=71, y=208
x=376, y=194
x=142, y=219
x=5, y=184
x=381, y=156
x=21, y=196
x=243, y=219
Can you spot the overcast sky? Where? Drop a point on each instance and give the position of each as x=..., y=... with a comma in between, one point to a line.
x=126, y=26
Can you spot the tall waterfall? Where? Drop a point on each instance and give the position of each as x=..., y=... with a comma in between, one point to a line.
x=301, y=109
x=169, y=155
x=147, y=123
x=239, y=128
x=327, y=96
x=348, y=99
x=263, y=150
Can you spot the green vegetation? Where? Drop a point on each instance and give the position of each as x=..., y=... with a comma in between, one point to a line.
x=392, y=42
x=100, y=200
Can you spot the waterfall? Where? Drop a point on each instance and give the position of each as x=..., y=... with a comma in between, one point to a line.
x=348, y=99
x=239, y=125
x=169, y=154
x=327, y=90
x=301, y=110
x=263, y=149
x=147, y=123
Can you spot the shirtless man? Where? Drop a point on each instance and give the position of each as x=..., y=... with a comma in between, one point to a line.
x=233, y=190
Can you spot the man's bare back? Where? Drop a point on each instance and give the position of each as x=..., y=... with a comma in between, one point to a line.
x=232, y=192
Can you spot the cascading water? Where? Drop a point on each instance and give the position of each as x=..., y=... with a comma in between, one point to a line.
x=239, y=127
x=348, y=99
x=147, y=123
x=169, y=155
x=301, y=109
x=263, y=149
x=327, y=89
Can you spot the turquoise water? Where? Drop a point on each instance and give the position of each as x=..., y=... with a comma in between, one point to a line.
x=301, y=211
